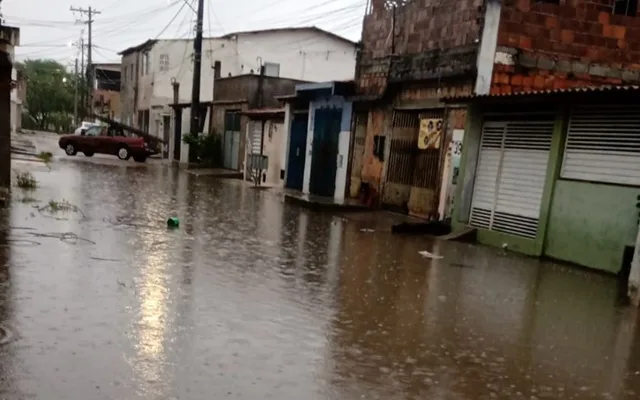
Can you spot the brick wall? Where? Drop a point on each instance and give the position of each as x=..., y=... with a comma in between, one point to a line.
x=573, y=43
x=420, y=26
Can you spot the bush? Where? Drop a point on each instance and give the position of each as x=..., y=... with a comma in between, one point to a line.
x=205, y=148
x=26, y=180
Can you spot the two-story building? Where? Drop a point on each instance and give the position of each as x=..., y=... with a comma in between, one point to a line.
x=106, y=90
x=551, y=159
x=416, y=53
x=150, y=69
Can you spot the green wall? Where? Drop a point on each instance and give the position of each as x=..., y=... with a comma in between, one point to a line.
x=590, y=224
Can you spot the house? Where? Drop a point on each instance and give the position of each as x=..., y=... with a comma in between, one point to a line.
x=238, y=100
x=416, y=53
x=554, y=173
x=151, y=70
x=318, y=140
x=106, y=90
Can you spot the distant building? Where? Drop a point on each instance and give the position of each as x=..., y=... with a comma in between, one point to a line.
x=18, y=98
x=106, y=90
x=148, y=70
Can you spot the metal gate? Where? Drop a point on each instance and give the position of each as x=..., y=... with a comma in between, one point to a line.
x=413, y=174
x=511, y=174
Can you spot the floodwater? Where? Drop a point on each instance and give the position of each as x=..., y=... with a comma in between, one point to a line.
x=254, y=299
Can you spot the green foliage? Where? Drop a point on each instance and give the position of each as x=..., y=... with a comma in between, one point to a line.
x=26, y=180
x=50, y=93
x=206, y=148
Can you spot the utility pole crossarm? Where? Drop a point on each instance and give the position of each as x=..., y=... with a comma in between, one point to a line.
x=90, y=13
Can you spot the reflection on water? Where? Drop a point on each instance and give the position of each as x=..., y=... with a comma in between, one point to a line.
x=255, y=299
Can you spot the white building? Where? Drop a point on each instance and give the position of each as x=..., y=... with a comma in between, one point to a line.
x=149, y=69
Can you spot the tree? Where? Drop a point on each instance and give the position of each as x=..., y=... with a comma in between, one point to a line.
x=50, y=91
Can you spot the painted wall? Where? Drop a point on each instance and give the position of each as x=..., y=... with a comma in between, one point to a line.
x=272, y=148
x=585, y=223
x=589, y=224
x=343, y=143
x=304, y=54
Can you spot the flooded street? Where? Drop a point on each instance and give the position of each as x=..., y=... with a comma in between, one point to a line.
x=255, y=299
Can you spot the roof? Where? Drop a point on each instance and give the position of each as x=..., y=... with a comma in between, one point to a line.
x=107, y=66
x=264, y=113
x=291, y=30
x=148, y=43
x=548, y=92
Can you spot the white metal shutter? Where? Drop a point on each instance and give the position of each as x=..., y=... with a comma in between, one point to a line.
x=511, y=175
x=256, y=137
x=603, y=145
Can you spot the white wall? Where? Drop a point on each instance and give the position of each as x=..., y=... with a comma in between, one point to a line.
x=302, y=54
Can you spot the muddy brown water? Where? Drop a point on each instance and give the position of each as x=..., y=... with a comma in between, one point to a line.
x=255, y=299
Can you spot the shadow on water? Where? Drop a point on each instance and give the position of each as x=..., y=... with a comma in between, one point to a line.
x=255, y=299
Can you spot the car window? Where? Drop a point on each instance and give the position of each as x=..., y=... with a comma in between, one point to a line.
x=93, y=131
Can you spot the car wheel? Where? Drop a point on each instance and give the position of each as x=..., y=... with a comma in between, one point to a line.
x=88, y=153
x=139, y=159
x=70, y=149
x=123, y=153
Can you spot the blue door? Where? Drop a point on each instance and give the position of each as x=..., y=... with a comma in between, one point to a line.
x=324, y=158
x=297, y=151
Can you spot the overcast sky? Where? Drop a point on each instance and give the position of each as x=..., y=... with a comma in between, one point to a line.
x=48, y=27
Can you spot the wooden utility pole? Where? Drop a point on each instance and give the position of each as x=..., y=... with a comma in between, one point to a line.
x=83, y=111
x=197, y=63
x=177, y=120
x=75, y=95
x=90, y=13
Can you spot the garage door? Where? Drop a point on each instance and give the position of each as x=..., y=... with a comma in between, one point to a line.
x=511, y=173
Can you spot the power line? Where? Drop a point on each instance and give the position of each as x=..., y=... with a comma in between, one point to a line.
x=90, y=13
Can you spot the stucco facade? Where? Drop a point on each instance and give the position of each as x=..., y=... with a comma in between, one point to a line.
x=148, y=70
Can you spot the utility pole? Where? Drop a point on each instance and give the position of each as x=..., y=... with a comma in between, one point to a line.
x=197, y=63
x=75, y=95
x=90, y=13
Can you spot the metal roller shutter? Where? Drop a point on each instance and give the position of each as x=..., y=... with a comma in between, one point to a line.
x=256, y=137
x=603, y=145
x=511, y=174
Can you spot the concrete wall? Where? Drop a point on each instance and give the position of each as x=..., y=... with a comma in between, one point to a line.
x=272, y=148
x=589, y=224
x=574, y=43
x=344, y=141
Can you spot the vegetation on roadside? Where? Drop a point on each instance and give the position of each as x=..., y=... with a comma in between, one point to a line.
x=45, y=156
x=50, y=95
x=26, y=180
x=55, y=207
x=206, y=149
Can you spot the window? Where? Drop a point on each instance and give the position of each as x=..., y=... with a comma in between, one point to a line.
x=125, y=74
x=272, y=69
x=146, y=64
x=93, y=131
x=603, y=145
x=378, y=146
x=626, y=7
x=164, y=63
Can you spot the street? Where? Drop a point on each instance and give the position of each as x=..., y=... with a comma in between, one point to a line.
x=251, y=298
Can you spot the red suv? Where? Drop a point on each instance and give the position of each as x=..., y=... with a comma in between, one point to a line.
x=106, y=140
